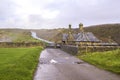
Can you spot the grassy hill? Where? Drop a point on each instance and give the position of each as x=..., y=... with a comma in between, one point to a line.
x=16, y=35
x=105, y=31
x=50, y=34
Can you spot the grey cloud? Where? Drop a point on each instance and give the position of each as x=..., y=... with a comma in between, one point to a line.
x=7, y=9
x=35, y=18
x=106, y=11
x=71, y=12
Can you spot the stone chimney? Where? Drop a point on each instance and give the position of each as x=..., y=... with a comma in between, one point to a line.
x=70, y=29
x=70, y=35
x=81, y=27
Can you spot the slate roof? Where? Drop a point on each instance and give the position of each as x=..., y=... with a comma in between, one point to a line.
x=82, y=37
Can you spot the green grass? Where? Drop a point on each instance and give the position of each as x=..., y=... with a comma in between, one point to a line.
x=17, y=35
x=109, y=60
x=18, y=63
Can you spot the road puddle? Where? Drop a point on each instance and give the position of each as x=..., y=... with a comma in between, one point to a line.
x=53, y=61
x=78, y=62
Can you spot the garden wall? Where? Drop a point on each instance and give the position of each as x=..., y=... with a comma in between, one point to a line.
x=74, y=50
x=20, y=44
x=70, y=49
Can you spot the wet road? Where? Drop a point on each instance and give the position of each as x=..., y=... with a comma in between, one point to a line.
x=57, y=65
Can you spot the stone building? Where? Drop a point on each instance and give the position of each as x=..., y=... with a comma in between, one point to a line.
x=81, y=38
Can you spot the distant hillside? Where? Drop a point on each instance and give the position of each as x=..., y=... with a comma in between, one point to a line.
x=15, y=35
x=103, y=32
x=49, y=34
x=106, y=31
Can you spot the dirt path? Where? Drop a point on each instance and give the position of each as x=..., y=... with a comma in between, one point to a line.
x=57, y=65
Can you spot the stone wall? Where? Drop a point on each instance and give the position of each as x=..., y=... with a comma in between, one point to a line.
x=20, y=44
x=70, y=49
x=74, y=50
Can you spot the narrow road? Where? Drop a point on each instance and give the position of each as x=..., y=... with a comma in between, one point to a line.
x=57, y=65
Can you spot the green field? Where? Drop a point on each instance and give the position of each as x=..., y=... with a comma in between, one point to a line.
x=18, y=63
x=109, y=60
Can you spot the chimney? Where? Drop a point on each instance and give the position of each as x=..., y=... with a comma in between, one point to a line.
x=70, y=29
x=70, y=26
x=81, y=27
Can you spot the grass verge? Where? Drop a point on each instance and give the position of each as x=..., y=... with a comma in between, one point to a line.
x=109, y=60
x=18, y=63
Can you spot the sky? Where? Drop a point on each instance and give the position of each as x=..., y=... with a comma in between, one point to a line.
x=49, y=14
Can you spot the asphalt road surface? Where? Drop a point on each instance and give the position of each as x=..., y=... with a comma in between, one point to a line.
x=57, y=65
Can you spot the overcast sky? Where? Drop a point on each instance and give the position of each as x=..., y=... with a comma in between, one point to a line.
x=57, y=13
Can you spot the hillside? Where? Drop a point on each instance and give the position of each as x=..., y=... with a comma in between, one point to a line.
x=106, y=31
x=15, y=35
x=50, y=34
x=103, y=32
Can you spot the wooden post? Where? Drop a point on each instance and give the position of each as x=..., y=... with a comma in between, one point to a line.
x=86, y=50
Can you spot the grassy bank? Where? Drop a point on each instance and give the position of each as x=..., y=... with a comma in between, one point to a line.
x=109, y=60
x=18, y=63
